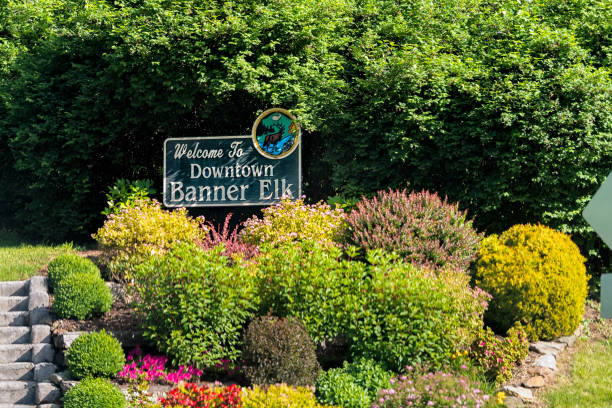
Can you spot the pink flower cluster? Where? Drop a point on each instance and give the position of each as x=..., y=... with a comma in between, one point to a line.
x=153, y=368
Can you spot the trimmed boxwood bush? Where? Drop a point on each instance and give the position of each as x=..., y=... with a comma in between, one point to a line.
x=94, y=393
x=96, y=354
x=81, y=295
x=537, y=278
x=66, y=264
x=420, y=227
x=279, y=350
x=194, y=304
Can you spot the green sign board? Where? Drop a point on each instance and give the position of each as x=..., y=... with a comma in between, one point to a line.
x=598, y=213
x=226, y=171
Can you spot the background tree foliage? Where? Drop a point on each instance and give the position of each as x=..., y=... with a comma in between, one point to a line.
x=502, y=105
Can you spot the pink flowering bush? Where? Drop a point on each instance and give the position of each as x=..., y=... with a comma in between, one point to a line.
x=496, y=355
x=152, y=368
x=434, y=389
x=420, y=227
x=290, y=221
x=232, y=243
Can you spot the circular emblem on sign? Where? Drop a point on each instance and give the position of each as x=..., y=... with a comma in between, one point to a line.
x=276, y=133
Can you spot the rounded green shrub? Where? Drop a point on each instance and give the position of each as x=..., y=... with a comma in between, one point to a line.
x=81, y=295
x=279, y=350
x=354, y=385
x=94, y=393
x=96, y=354
x=195, y=303
x=420, y=227
x=66, y=264
x=537, y=278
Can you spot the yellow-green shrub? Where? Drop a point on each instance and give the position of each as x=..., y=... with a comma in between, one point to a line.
x=141, y=230
x=537, y=277
x=290, y=221
x=280, y=396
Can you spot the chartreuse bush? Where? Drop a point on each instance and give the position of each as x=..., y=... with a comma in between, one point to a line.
x=143, y=229
x=195, y=303
x=81, y=295
x=293, y=220
x=410, y=315
x=279, y=350
x=419, y=226
x=537, y=278
x=94, y=393
x=355, y=385
x=279, y=396
x=69, y=263
x=96, y=354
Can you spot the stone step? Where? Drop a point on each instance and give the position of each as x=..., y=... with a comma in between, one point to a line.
x=27, y=372
x=13, y=303
x=17, y=372
x=14, y=319
x=26, y=353
x=18, y=288
x=18, y=392
x=15, y=335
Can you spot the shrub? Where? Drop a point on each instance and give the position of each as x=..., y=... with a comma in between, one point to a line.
x=96, y=354
x=411, y=315
x=125, y=193
x=354, y=385
x=81, y=295
x=437, y=389
x=232, y=244
x=191, y=395
x=311, y=282
x=194, y=304
x=94, y=393
x=338, y=387
x=280, y=396
x=279, y=350
x=69, y=263
x=419, y=227
x=142, y=230
x=290, y=221
x=537, y=278
x=498, y=356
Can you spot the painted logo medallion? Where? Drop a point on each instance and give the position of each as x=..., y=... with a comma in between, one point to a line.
x=276, y=133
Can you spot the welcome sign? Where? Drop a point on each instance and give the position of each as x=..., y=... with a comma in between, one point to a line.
x=258, y=169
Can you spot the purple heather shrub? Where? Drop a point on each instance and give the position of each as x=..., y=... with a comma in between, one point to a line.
x=420, y=227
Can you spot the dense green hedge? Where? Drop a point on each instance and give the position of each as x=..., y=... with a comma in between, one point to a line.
x=504, y=106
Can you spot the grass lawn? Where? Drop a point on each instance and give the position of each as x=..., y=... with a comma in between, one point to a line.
x=589, y=381
x=20, y=260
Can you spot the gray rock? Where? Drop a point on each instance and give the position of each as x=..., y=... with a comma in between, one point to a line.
x=524, y=394
x=40, y=333
x=47, y=393
x=66, y=386
x=38, y=284
x=64, y=340
x=535, y=382
x=513, y=402
x=42, y=353
x=57, y=378
x=43, y=371
x=547, y=347
x=547, y=360
x=38, y=300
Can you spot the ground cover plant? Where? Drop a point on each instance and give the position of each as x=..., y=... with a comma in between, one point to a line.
x=537, y=278
x=150, y=368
